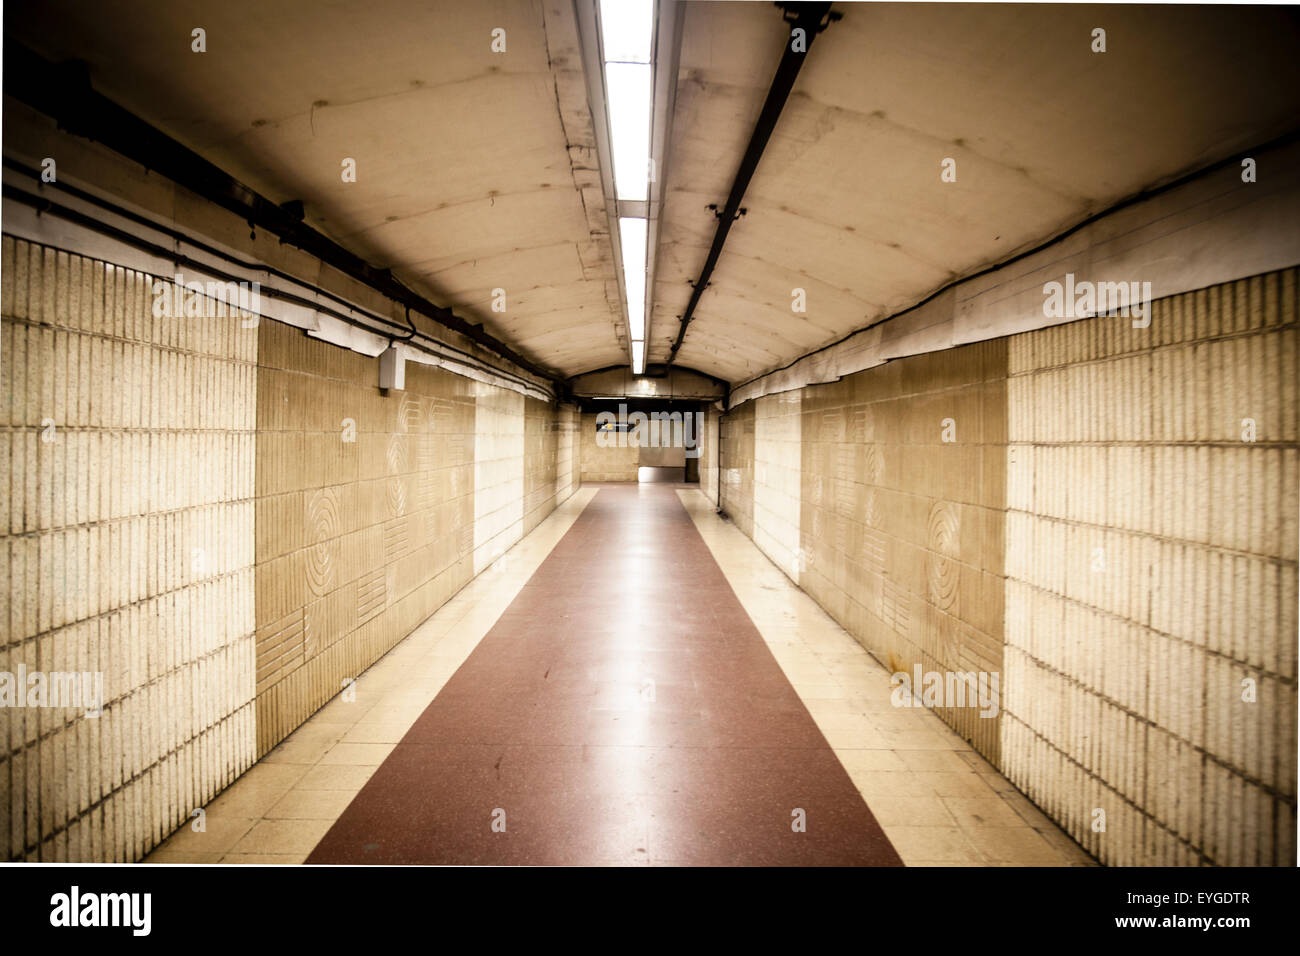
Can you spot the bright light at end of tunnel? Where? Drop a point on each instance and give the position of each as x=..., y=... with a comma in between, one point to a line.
x=638, y=358
x=632, y=235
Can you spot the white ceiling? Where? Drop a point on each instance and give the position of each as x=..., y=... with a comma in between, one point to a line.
x=477, y=170
x=847, y=202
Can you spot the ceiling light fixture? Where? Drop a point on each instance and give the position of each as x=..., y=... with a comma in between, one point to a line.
x=632, y=236
x=627, y=46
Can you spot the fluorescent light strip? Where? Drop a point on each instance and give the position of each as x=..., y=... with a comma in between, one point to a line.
x=629, y=90
x=632, y=234
x=627, y=39
x=626, y=27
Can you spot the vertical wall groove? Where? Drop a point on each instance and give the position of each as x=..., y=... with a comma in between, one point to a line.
x=1111, y=524
x=126, y=522
x=1151, y=542
x=228, y=521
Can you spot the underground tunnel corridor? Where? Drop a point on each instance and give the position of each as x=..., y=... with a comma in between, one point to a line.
x=447, y=448
x=625, y=709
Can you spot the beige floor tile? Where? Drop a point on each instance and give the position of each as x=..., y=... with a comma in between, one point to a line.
x=911, y=811
x=875, y=784
x=271, y=775
x=919, y=740
x=870, y=761
x=941, y=863
x=312, y=732
x=860, y=739
x=1023, y=845
x=918, y=845
x=857, y=671
x=262, y=859
x=860, y=723
x=833, y=706
x=301, y=752
x=336, y=777
x=248, y=801
x=311, y=805
x=368, y=755
x=218, y=836
x=1060, y=841
x=823, y=691
x=283, y=836
x=991, y=811
x=343, y=713
x=934, y=761
x=1024, y=807
x=166, y=854
x=904, y=720
x=378, y=732
x=871, y=703
x=963, y=784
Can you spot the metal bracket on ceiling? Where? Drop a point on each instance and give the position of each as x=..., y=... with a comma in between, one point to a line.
x=717, y=213
x=790, y=14
x=812, y=17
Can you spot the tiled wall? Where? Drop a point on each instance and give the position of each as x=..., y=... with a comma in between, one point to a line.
x=498, y=456
x=901, y=527
x=605, y=464
x=1151, y=569
x=126, y=529
x=736, y=466
x=229, y=519
x=777, y=479
x=1104, y=529
x=365, y=515
x=709, y=453
x=568, y=467
x=540, y=462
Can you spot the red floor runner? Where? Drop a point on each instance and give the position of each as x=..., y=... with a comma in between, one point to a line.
x=623, y=710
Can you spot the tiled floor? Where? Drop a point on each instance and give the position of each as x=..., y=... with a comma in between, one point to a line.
x=623, y=710
x=939, y=802
x=604, y=741
x=279, y=810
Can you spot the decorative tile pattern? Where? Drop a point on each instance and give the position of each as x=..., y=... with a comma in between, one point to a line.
x=126, y=527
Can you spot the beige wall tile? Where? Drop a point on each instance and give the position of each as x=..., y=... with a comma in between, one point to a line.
x=1099, y=534
x=129, y=544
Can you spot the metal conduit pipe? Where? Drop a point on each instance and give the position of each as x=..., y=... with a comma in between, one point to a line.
x=64, y=93
x=811, y=18
x=424, y=344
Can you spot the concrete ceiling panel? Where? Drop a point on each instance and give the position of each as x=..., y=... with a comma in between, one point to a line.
x=479, y=171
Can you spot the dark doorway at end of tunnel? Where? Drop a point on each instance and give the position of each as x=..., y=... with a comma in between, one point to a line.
x=668, y=435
